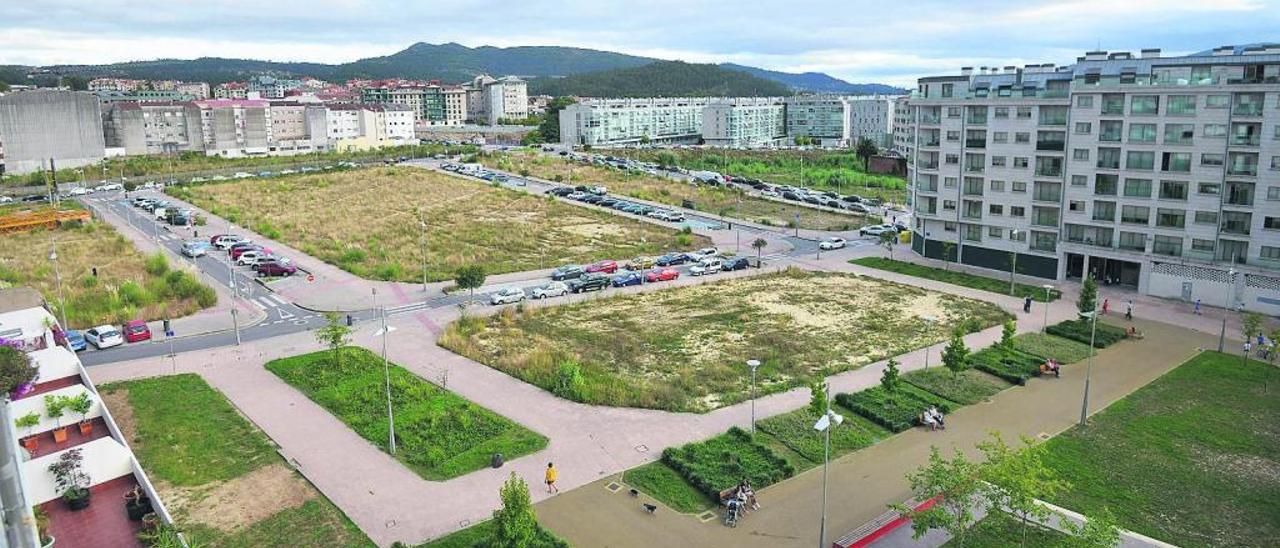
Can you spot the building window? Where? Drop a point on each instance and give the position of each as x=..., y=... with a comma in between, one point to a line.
x=995, y=232
x=1215, y=130
x=1046, y=192
x=1020, y=162
x=997, y=186
x=953, y=136
x=1176, y=161
x=1171, y=218
x=1084, y=101
x=1017, y=211
x=1167, y=245
x=1002, y=112
x=1079, y=180
x=949, y=226
x=948, y=205
x=1269, y=252
x=1053, y=116
x=1104, y=211
x=1108, y=158
x=1110, y=131
x=1202, y=246
x=1271, y=223
x=973, y=233
x=1173, y=190
x=1209, y=159
x=1018, y=235
x=1000, y=137
x=948, y=89
x=1076, y=206
x=949, y=182
x=1138, y=215
x=1144, y=105
x=1113, y=104
x=1142, y=133
x=998, y=161
x=1044, y=216
x=1217, y=101
x=1084, y=128
x=1044, y=241
x=1209, y=188
x=1137, y=159
x=1273, y=193
x=953, y=112
x=1022, y=137
x=1182, y=105
x=995, y=209
x=1019, y=186
x=1105, y=184
x=1080, y=154
x=1024, y=112
x=1133, y=241
x=1179, y=134
x=1137, y=188
x=1206, y=217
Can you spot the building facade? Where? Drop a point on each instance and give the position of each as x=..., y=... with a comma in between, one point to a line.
x=235, y=128
x=42, y=125
x=1160, y=174
x=455, y=105
x=744, y=122
x=270, y=87
x=298, y=128
x=152, y=128
x=599, y=122
x=231, y=90
x=872, y=117
x=822, y=118
x=490, y=100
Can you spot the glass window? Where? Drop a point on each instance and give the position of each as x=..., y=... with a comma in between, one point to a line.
x=1142, y=133
x=1133, y=241
x=1044, y=241
x=1020, y=162
x=1206, y=217
x=1209, y=188
x=1173, y=190
x=1109, y=158
x=1135, y=214
x=1047, y=192
x=1079, y=180
x=1144, y=105
x=1105, y=184
x=1017, y=211
x=1273, y=193
x=1171, y=218
x=1215, y=130
x=998, y=161
x=1179, y=134
x=1053, y=116
x=1182, y=105
x=1113, y=104
x=1176, y=161
x=1002, y=112
x=948, y=205
x=1018, y=235
x=1024, y=112
x=1000, y=137
x=1211, y=159
x=1022, y=137
x=1080, y=154
x=1269, y=252
x=973, y=233
x=1084, y=128
x=995, y=231
x=995, y=209
x=1271, y=223
x=997, y=186
x=1104, y=211
x=1084, y=101
x=1167, y=245
x=1110, y=130
x=1137, y=159
x=1218, y=101
x=950, y=182
x=1137, y=188
x=1019, y=186
x=1204, y=246
x=1076, y=206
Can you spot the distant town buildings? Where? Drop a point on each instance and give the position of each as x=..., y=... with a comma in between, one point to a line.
x=270, y=87
x=598, y=122
x=745, y=122
x=490, y=100
x=231, y=90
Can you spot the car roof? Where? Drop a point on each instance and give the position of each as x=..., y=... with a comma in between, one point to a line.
x=133, y=323
x=102, y=328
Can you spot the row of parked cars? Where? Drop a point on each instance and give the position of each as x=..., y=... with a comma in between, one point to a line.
x=598, y=195
x=107, y=336
x=242, y=252
x=162, y=210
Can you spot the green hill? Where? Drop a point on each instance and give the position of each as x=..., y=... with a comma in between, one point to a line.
x=660, y=79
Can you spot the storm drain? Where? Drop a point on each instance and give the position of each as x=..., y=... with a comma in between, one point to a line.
x=613, y=487
x=706, y=516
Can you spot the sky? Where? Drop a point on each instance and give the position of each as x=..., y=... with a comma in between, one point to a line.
x=892, y=43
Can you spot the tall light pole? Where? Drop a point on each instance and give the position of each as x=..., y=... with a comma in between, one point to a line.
x=829, y=420
x=753, y=364
x=1226, y=307
x=1047, y=289
x=929, y=326
x=1013, y=252
x=62, y=303
x=1088, y=371
x=386, y=375
x=235, y=320
x=422, y=221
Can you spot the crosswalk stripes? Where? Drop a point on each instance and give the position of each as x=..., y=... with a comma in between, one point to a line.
x=266, y=301
x=277, y=299
x=255, y=302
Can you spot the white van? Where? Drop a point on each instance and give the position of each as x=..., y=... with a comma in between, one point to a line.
x=710, y=265
x=160, y=213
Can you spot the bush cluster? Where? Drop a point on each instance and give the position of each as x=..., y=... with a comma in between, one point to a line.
x=1012, y=365
x=721, y=462
x=1081, y=330
x=901, y=414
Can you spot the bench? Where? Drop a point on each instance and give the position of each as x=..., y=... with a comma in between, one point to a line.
x=882, y=525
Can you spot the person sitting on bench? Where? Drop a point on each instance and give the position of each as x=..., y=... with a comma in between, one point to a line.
x=1051, y=366
x=747, y=495
x=933, y=418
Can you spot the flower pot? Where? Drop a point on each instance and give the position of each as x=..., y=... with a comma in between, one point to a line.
x=60, y=435
x=31, y=443
x=48, y=544
x=79, y=501
x=138, y=509
x=86, y=428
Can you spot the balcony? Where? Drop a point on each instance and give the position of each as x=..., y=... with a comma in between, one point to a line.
x=975, y=143
x=1250, y=170
x=1051, y=146
x=928, y=165
x=930, y=142
x=1246, y=140
x=931, y=119
x=1048, y=171
x=974, y=169
x=1247, y=109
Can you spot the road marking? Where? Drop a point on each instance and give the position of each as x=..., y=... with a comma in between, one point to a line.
x=284, y=315
x=255, y=303
x=277, y=299
x=266, y=301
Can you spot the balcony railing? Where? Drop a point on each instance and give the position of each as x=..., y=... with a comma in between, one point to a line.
x=1243, y=169
x=1048, y=171
x=1057, y=146
x=931, y=119
x=975, y=143
x=927, y=165
x=1247, y=109
x=1246, y=140
x=930, y=142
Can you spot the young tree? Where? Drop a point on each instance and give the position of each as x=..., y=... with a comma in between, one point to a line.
x=759, y=244
x=887, y=239
x=865, y=150
x=818, y=398
x=334, y=335
x=947, y=249
x=958, y=482
x=1018, y=478
x=515, y=523
x=889, y=381
x=1250, y=325
x=1100, y=531
x=470, y=277
x=1007, y=332
x=955, y=357
x=1088, y=296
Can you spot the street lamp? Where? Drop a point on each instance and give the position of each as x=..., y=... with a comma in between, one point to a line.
x=1088, y=371
x=422, y=221
x=62, y=303
x=1226, y=307
x=829, y=420
x=386, y=375
x=1047, y=289
x=753, y=364
x=928, y=320
x=1013, y=252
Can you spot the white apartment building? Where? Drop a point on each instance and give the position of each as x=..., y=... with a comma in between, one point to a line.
x=1157, y=174
x=871, y=117
x=270, y=87
x=152, y=128
x=744, y=122
x=489, y=100
x=824, y=118
x=455, y=105
x=622, y=121
x=362, y=127
x=231, y=90
x=298, y=128
x=116, y=84
x=235, y=128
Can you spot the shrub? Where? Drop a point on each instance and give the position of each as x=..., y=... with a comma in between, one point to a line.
x=795, y=430
x=133, y=294
x=156, y=264
x=570, y=383
x=1014, y=366
x=721, y=462
x=1080, y=330
x=1051, y=346
x=909, y=402
x=968, y=388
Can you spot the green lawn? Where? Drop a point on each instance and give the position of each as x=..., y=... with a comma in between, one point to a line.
x=477, y=536
x=969, y=387
x=715, y=464
x=191, y=441
x=1191, y=459
x=659, y=481
x=1052, y=346
x=439, y=434
x=1101, y=335
x=1001, y=530
x=984, y=283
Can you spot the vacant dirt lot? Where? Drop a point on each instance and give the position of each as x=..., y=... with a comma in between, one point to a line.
x=684, y=349
x=368, y=222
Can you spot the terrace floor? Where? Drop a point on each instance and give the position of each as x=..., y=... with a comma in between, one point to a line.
x=45, y=387
x=74, y=437
x=104, y=523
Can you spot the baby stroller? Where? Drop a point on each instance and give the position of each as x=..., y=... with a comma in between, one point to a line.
x=732, y=512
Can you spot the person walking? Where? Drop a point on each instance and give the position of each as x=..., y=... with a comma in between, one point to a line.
x=1026, y=305
x=1197, y=310
x=1106, y=305
x=1128, y=310
x=550, y=478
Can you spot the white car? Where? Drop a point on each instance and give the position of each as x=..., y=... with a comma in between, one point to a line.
x=109, y=187
x=251, y=257
x=225, y=242
x=769, y=194
x=5, y=199
x=831, y=243
x=709, y=265
x=876, y=230
x=242, y=175
x=195, y=249
x=704, y=253
x=79, y=191
x=553, y=289
x=507, y=295
x=104, y=336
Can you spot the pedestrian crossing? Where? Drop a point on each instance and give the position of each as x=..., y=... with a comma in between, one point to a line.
x=266, y=302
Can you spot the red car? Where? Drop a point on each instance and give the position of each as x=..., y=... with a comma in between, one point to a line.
x=136, y=330
x=661, y=275
x=275, y=268
x=213, y=240
x=606, y=267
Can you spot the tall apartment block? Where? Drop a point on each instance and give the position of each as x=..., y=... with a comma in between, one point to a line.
x=42, y=125
x=744, y=122
x=620, y=121
x=1155, y=174
x=823, y=118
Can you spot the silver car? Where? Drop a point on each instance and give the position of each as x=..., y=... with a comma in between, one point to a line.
x=507, y=295
x=553, y=289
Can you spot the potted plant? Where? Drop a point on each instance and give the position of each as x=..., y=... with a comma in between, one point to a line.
x=136, y=503
x=42, y=527
x=29, y=421
x=16, y=372
x=54, y=407
x=71, y=479
x=82, y=404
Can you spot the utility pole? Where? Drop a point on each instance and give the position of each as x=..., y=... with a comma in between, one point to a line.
x=1226, y=308
x=1013, y=269
x=1088, y=372
x=386, y=374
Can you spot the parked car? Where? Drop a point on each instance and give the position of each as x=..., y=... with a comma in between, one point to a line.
x=589, y=282
x=136, y=331
x=507, y=295
x=79, y=191
x=768, y=194
x=831, y=243
x=104, y=336
x=735, y=263
x=661, y=275
x=672, y=259
x=5, y=199
x=109, y=187
x=250, y=257
x=275, y=267
x=567, y=272
x=704, y=253
x=560, y=191
x=225, y=241
x=75, y=340
x=195, y=249
x=709, y=265
x=627, y=278
x=242, y=248
x=876, y=230
x=639, y=263
x=604, y=267
x=552, y=289
x=598, y=190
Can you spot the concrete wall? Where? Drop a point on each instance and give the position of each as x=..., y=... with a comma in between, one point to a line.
x=36, y=126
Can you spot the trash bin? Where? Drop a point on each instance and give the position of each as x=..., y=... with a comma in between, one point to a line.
x=497, y=460
x=350, y=321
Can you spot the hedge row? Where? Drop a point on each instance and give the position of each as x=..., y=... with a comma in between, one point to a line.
x=908, y=403
x=1080, y=330
x=721, y=462
x=1014, y=366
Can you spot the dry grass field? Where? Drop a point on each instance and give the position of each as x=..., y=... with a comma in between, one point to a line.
x=128, y=286
x=721, y=201
x=684, y=349
x=368, y=223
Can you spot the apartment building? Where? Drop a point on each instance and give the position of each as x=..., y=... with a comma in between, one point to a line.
x=1158, y=174
x=231, y=90
x=744, y=122
x=143, y=96
x=116, y=84
x=362, y=127
x=491, y=100
x=270, y=87
x=152, y=128
x=298, y=128
x=824, y=118
x=598, y=122
x=235, y=128
x=37, y=126
x=872, y=117
x=455, y=105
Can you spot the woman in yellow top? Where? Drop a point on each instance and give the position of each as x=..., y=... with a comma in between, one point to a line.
x=551, y=478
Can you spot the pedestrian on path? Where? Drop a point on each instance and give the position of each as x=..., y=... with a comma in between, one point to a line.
x=1197, y=311
x=1128, y=310
x=550, y=477
x=1106, y=305
x=1247, y=348
x=1026, y=305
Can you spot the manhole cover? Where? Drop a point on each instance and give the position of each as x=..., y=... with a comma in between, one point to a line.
x=642, y=448
x=391, y=523
x=1043, y=435
x=706, y=516
x=464, y=523
x=613, y=486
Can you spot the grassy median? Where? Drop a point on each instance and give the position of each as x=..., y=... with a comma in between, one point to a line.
x=958, y=278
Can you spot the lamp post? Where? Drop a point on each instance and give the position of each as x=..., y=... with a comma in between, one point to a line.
x=1013, y=253
x=1088, y=370
x=1226, y=306
x=422, y=221
x=386, y=375
x=753, y=364
x=829, y=420
x=929, y=327
x=62, y=303
x=1047, y=289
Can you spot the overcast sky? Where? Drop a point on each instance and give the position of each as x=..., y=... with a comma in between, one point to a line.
x=888, y=42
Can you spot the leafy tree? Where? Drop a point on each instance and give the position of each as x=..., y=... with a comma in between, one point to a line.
x=1019, y=478
x=887, y=239
x=470, y=277
x=15, y=369
x=666, y=159
x=334, y=335
x=759, y=244
x=890, y=381
x=956, y=355
x=1007, y=332
x=865, y=150
x=958, y=481
x=947, y=249
x=1088, y=296
x=1250, y=324
x=644, y=139
x=1100, y=531
x=515, y=524
x=818, y=398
